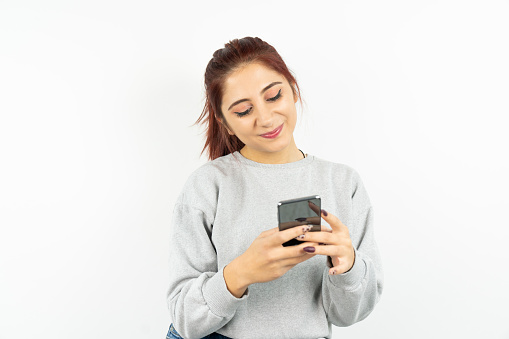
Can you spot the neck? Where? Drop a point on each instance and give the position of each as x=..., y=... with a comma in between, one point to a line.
x=289, y=154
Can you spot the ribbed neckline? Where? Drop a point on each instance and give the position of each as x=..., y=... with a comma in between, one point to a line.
x=299, y=163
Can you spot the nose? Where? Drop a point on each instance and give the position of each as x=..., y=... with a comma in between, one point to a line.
x=264, y=116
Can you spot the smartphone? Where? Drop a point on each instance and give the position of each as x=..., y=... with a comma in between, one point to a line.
x=297, y=212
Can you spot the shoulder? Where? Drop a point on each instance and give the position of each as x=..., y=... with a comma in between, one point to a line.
x=340, y=175
x=336, y=170
x=343, y=175
x=211, y=171
x=202, y=185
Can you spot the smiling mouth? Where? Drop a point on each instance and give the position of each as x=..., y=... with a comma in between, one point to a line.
x=274, y=133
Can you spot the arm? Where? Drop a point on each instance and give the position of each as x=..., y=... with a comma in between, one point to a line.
x=350, y=297
x=198, y=298
x=235, y=282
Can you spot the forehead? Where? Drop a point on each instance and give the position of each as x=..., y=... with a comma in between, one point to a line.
x=250, y=78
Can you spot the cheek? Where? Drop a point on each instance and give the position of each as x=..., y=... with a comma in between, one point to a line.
x=289, y=108
x=288, y=104
x=241, y=125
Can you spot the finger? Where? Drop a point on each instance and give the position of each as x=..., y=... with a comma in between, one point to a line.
x=335, y=270
x=345, y=263
x=341, y=268
x=320, y=228
x=296, y=251
x=285, y=235
x=324, y=228
x=333, y=221
x=319, y=237
x=296, y=260
x=330, y=250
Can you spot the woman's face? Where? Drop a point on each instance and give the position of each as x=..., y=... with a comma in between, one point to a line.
x=259, y=108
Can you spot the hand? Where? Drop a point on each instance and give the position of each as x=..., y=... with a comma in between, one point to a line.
x=266, y=259
x=335, y=243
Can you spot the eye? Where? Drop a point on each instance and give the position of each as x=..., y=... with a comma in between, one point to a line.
x=276, y=97
x=246, y=112
x=241, y=114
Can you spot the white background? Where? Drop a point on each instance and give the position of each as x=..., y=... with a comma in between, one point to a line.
x=97, y=102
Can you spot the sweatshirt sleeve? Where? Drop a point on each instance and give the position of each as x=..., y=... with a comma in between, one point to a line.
x=197, y=297
x=350, y=297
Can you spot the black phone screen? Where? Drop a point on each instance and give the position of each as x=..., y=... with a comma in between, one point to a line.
x=297, y=212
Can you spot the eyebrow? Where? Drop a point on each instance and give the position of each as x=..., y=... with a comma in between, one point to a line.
x=261, y=92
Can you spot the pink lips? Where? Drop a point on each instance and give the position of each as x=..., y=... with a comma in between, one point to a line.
x=273, y=134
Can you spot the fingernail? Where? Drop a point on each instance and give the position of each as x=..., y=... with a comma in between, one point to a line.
x=324, y=212
x=309, y=249
x=307, y=228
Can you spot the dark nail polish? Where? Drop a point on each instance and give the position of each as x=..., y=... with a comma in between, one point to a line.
x=309, y=249
x=324, y=212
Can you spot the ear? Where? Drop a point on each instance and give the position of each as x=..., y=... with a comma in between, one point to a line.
x=295, y=97
x=225, y=125
x=228, y=130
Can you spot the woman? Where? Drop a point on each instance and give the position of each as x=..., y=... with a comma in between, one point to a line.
x=230, y=274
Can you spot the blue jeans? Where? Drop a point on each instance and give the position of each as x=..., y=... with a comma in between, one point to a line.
x=173, y=334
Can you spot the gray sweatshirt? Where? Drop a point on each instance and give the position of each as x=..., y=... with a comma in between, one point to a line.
x=224, y=205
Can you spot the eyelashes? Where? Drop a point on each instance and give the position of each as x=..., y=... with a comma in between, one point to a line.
x=278, y=95
x=246, y=112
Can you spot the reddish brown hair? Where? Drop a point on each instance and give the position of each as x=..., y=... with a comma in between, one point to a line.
x=235, y=54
